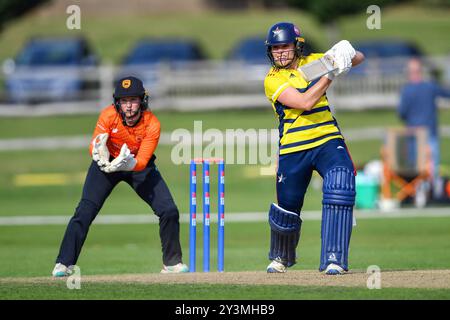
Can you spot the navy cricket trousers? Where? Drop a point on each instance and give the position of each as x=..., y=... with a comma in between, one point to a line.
x=149, y=185
x=295, y=171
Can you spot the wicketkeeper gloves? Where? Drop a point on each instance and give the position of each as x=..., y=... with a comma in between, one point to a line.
x=342, y=54
x=100, y=152
x=125, y=161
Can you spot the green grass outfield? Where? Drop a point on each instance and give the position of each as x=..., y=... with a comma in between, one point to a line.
x=244, y=186
x=263, y=118
x=120, y=291
x=395, y=244
x=29, y=251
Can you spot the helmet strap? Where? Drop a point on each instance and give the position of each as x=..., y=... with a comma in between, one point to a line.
x=272, y=60
x=142, y=107
x=124, y=121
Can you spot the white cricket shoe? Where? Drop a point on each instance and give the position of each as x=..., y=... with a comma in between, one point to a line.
x=61, y=270
x=334, y=269
x=276, y=267
x=178, y=268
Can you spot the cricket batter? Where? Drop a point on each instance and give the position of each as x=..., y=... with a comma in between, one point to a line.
x=122, y=149
x=310, y=139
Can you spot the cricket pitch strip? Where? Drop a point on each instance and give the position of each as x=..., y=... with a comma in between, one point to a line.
x=433, y=279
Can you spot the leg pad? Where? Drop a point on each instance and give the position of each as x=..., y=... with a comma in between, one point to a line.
x=285, y=234
x=337, y=216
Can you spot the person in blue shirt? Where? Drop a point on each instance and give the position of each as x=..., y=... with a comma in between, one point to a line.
x=417, y=107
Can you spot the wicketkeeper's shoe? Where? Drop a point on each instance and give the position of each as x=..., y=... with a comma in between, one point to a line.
x=178, y=268
x=61, y=270
x=334, y=269
x=276, y=267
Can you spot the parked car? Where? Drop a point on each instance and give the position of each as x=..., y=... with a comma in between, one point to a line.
x=49, y=69
x=387, y=48
x=148, y=55
x=385, y=57
x=252, y=50
x=152, y=51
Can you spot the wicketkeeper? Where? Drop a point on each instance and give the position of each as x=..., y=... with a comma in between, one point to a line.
x=310, y=139
x=122, y=149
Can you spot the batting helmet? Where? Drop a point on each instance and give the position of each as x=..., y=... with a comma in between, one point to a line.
x=284, y=33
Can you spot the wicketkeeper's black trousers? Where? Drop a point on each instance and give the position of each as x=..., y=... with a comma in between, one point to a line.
x=149, y=185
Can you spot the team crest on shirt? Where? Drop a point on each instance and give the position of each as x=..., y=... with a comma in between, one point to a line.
x=126, y=83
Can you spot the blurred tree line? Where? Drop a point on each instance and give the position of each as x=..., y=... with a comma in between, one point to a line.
x=11, y=9
x=327, y=12
x=324, y=10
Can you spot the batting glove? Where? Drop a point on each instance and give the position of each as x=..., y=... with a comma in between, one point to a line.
x=125, y=161
x=342, y=54
x=100, y=152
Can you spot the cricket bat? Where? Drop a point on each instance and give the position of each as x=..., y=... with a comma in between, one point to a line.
x=317, y=68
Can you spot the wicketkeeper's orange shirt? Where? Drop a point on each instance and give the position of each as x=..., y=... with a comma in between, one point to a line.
x=142, y=139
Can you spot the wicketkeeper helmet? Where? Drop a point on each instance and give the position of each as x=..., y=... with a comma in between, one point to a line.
x=130, y=87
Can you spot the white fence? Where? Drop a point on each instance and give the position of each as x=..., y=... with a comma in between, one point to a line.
x=194, y=86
